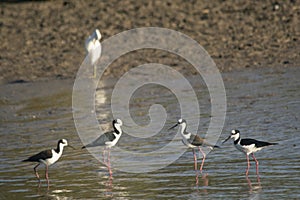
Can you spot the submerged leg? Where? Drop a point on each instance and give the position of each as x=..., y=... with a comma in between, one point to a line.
x=197, y=178
x=195, y=159
x=103, y=155
x=249, y=183
x=108, y=163
x=47, y=176
x=248, y=164
x=203, y=159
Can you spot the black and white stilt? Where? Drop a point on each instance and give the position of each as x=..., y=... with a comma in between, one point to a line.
x=193, y=141
x=108, y=140
x=48, y=157
x=248, y=146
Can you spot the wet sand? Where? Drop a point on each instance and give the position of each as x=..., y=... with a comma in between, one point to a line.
x=44, y=40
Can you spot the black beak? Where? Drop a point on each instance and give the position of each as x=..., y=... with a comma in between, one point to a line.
x=173, y=126
x=226, y=139
x=71, y=147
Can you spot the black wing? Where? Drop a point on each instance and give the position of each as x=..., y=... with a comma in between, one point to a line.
x=100, y=141
x=258, y=144
x=198, y=141
x=42, y=155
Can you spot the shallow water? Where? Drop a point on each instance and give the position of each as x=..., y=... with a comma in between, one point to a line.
x=262, y=104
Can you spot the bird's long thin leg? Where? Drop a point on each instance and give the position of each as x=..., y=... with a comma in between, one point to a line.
x=36, y=173
x=47, y=176
x=103, y=155
x=108, y=163
x=95, y=70
x=195, y=159
x=197, y=178
x=108, y=155
x=256, y=163
x=248, y=164
x=203, y=159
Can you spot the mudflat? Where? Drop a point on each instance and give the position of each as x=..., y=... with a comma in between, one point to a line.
x=42, y=40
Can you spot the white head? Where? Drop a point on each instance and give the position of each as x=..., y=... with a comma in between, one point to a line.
x=63, y=142
x=235, y=134
x=93, y=41
x=182, y=124
x=117, y=123
x=97, y=34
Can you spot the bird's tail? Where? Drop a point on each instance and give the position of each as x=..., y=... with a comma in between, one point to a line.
x=26, y=160
x=88, y=145
x=213, y=146
x=272, y=143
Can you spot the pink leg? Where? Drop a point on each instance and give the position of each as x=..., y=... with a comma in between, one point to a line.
x=108, y=163
x=248, y=165
x=195, y=159
x=36, y=173
x=249, y=183
x=108, y=156
x=256, y=162
x=47, y=176
x=197, y=178
x=103, y=155
x=203, y=159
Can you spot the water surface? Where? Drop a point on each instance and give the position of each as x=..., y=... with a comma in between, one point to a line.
x=262, y=104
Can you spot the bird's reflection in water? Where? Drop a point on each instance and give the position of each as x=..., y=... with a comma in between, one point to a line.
x=203, y=182
x=106, y=178
x=42, y=190
x=109, y=186
x=254, y=189
x=55, y=194
x=106, y=160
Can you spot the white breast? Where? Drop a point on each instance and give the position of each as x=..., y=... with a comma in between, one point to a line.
x=247, y=149
x=53, y=159
x=114, y=142
x=185, y=138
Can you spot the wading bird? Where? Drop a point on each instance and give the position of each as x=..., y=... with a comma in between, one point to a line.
x=108, y=140
x=193, y=141
x=247, y=146
x=48, y=157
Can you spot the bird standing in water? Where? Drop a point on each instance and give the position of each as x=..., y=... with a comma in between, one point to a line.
x=108, y=140
x=48, y=157
x=248, y=146
x=193, y=141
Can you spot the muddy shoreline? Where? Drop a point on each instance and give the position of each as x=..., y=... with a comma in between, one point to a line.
x=43, y=40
